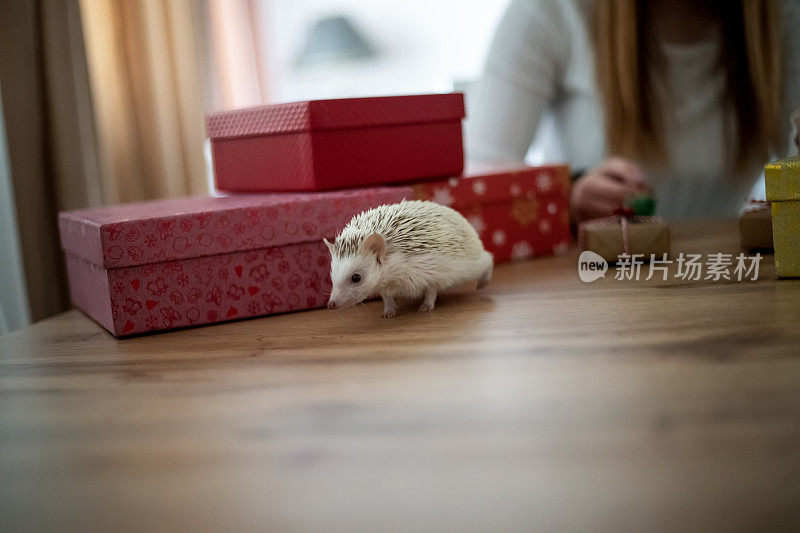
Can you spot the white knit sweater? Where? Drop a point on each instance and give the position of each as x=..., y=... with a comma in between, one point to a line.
x=541, y=64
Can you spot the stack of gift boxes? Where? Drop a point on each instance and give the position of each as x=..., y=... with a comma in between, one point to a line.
x=293, y=174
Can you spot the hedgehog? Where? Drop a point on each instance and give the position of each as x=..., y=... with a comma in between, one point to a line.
x=405, y=251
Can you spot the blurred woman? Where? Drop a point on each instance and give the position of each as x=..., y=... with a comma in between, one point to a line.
x=687, y=98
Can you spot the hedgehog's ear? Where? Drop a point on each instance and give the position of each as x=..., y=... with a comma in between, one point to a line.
x=375, y=244
x=328, y=244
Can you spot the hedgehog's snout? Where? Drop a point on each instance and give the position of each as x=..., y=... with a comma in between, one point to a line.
x=339, y=301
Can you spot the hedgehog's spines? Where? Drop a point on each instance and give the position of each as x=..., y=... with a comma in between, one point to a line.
x=411, y=227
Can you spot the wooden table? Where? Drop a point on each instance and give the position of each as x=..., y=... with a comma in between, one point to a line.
x=541, y=403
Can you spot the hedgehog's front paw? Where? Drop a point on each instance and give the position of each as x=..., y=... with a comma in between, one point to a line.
x=388, y=305
x=425, y=307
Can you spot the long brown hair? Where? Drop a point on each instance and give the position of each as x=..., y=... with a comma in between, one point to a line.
x=633, y=93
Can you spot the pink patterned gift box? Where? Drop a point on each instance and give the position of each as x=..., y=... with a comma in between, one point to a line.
x=167, y=264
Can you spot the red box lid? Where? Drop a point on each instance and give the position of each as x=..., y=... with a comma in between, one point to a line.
x=167, y=230
x=490, y=183
x=341, y=113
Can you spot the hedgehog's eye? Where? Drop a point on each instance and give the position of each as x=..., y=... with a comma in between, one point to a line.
x=355, y=278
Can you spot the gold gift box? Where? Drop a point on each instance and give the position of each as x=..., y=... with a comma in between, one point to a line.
x=783, y=190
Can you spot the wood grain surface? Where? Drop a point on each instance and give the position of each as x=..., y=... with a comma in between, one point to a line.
x=540, y=403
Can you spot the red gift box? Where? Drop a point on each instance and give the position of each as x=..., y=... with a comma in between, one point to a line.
x=329, y=144
x=167, y=264
x=519, y=212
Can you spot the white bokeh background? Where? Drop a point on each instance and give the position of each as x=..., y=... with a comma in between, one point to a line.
x=422, y=46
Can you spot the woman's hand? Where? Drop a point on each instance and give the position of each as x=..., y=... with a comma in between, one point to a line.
x=604, y=188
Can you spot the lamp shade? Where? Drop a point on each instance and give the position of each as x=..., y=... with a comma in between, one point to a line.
x=334, y=39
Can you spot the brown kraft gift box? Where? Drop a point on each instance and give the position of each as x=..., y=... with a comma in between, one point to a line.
x=646, y=235
x=755, y=229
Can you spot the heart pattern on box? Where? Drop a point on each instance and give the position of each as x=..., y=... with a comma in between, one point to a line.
x=231, y=226
x=220, y=287
x=190, y=261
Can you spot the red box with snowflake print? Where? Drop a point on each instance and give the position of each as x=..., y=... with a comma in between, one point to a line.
x=167, y=264
x=519, y=212
x=331, y=144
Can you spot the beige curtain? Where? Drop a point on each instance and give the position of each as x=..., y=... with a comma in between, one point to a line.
x=237, y=51
x=50, y=135
x=146, y=80
x=104, y=103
